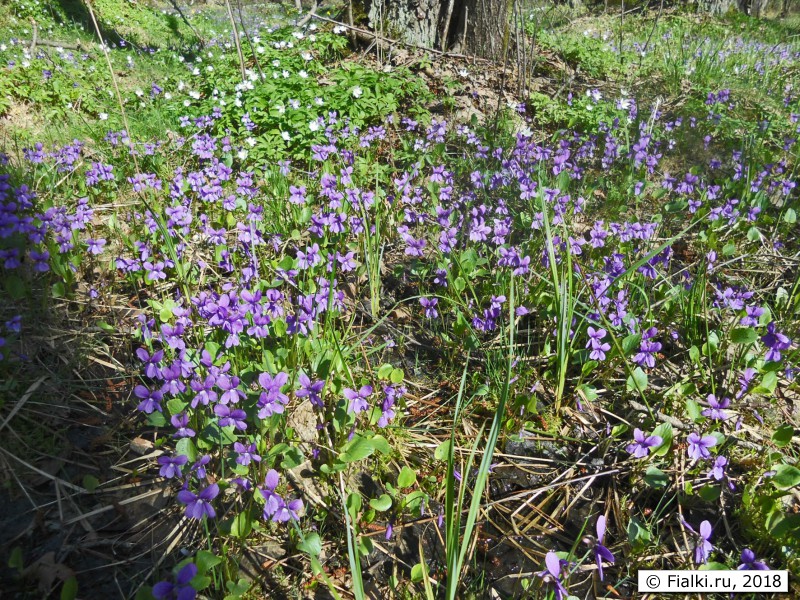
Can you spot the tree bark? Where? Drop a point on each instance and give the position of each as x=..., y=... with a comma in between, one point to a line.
x=478, y=27
x=721, y=7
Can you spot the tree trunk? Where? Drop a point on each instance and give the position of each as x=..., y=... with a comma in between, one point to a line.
x=478, y=27
x=721, y=7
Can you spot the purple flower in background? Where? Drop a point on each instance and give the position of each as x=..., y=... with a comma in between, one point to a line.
x=552, y=575
x=601, y=553
x=229, y=384
x=155, y=271
x=749, y=562
x=358, y=399
x=181, y=424
x=95, y=246
x=228, y=417
x=718, y=470
x=171, y=465
x=752, y=313
x=429, y=304
x=698, y=446
x=247, y=454
x=775, y=341
x=151, y=362
x=641, y=445
x=272, y=501
x=181, y=589
x=716, y=412
x=272, y=400
x=647, y=349
x=40, y=259
x=198, y=506
x=151, y=400
x=288, y=511
x=200, y=466
x=312, y=389
x=595, y=344
x=703, y=547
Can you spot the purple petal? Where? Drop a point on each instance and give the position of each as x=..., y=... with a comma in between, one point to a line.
x=705, y=530
x=601, y=528
x=553, y=564
x=272, y=479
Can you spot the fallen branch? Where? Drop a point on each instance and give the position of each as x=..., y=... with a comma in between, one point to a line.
x=53, y=44
x=308, y=16
x=369, y=37
x=35, y=36
x=678, y=424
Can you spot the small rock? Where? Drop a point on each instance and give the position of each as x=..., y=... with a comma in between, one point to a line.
x=141, y=446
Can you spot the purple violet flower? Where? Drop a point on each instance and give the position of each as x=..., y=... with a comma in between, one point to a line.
x=601, y=553
x=698, y=446
x=429, y=304
x=749, y=562
x=552, y=575
x=181, y=589
x=641, y=445
x=198, y=506
x=716, y=412
x=775, y=341
x=358, y=399
x=312, y=389
x=703, y=547
x=171, y=465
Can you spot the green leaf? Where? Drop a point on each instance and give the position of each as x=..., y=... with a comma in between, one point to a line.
x=384, y=371
x=145, y=593
x=768, y=384
x=353, y=504
x=417, y=573
x=156, y=419
x=176, y=405
x=15, y=287
x=638, y=534
x=381, y=504
x=236, y=590
x=790, y=216
x=665, y=432
x=90, y=483
x=442, y=450
x=357, y=449
x=786, y=476
x=292, y=458
x=713, y=566
x=637, y=381
x=364, y=545
x=311, y=545
x=242, y=524
x=656, y=478
x=15, y=559
x=782, y=436
x=631, y=343
x=709, y=493
x=694, y=354
x=693, y=410
x=205, y=560
x=396, y=376
x=744, y=335
x=70, y=589
x=381, y=444
x=185, y=447
x=406, y=478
